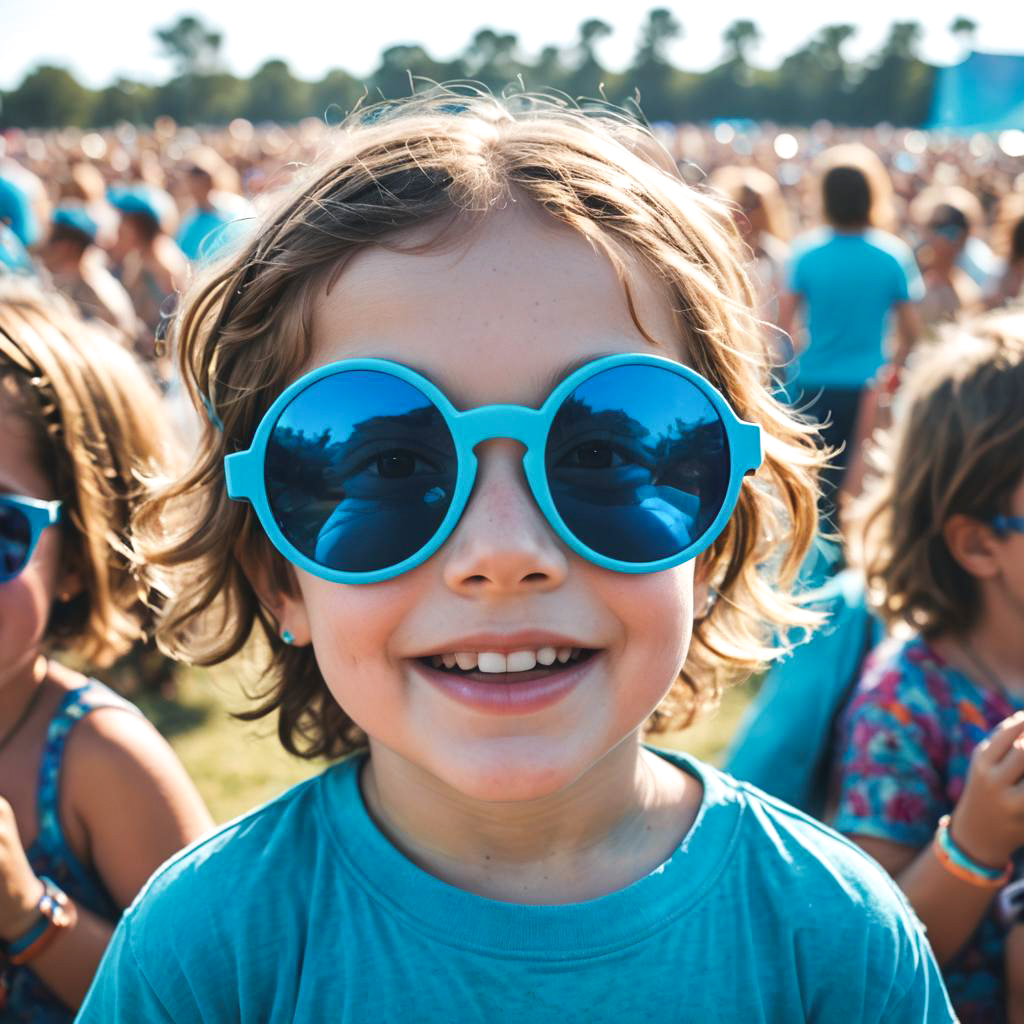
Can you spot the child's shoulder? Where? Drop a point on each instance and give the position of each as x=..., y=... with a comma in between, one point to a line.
x=799, y=865
x=259, y=850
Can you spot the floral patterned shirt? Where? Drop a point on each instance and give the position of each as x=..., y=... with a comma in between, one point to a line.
x=905, y=747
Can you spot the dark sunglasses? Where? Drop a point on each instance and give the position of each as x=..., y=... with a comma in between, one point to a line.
x=361, y=469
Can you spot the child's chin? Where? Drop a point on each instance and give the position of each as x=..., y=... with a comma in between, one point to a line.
x=514, y=772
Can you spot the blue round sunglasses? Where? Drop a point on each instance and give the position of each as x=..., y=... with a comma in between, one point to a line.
x=361, y=469
x=22, y=521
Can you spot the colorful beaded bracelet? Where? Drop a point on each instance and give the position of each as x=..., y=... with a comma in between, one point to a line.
x=56, y=913
x=958, y=864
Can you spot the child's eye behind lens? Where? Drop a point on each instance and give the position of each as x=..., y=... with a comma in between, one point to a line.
x=398, y=464
x=594, y=455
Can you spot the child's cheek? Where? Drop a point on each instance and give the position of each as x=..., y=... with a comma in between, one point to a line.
x=655, y=612
x=657, y=607
x=25, y=603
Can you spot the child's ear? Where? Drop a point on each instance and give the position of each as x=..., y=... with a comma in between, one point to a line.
x=70, y=583
x=72, y=576
x=282, y=598
x=973, y=545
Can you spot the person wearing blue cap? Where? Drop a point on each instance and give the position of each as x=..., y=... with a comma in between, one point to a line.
x=148, y=261
x=77, y=267
x=16, y=210
x=220, y=215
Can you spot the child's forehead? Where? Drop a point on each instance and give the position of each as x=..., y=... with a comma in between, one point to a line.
x=495, y=314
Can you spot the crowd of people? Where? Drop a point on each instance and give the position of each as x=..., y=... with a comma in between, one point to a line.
x=240, y=372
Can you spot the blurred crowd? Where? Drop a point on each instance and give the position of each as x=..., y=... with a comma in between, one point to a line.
x=116, y=217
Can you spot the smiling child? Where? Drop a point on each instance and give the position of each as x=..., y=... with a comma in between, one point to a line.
x=493, y=462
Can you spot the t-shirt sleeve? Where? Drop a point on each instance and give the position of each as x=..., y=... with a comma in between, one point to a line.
x=889, y=785
x=918, y=992
x=121, y=991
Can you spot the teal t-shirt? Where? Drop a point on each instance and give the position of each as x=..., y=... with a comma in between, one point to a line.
x=303, y=911
x=204, y=233
x=849, y=284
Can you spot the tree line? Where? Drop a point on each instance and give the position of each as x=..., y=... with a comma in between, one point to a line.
x=893, y=84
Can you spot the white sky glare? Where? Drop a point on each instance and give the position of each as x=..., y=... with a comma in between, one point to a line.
x=102, y=40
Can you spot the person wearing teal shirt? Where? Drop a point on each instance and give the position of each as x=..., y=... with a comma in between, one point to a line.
x=847, y=279
x=218, y=220
x=749, y=919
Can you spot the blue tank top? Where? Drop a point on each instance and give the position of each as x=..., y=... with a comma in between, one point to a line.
x=27, y=998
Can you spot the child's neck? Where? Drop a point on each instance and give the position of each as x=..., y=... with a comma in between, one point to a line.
x=18, y=682
x=991, y=652
x=614, y=825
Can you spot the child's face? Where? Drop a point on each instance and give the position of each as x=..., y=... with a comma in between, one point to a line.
x=1012, y=557
x=26, y=600
x=489, y=321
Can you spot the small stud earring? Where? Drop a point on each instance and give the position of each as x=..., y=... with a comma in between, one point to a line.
x=287, y=637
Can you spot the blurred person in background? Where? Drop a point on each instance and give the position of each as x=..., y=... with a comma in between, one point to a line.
x=84, y=184
x=148, y=261
x=217, y=217
x=24, y=205
x=14, y=257
x=845, y=279
x=77, y=266
x=763, y=223
x=949, y=290
x=1010, y=236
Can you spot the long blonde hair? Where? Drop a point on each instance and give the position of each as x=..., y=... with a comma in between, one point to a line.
x=93, y=415
x=244, y=334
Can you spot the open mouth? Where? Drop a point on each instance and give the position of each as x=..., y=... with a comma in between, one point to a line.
x=515, y=667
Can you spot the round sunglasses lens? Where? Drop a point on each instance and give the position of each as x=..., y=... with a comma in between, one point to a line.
x=360, y=471
x=15, y=540
x=638, y=463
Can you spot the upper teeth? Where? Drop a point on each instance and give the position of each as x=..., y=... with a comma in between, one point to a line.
x=516, y=661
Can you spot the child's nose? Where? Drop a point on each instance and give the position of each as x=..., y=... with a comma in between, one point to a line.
x=503, y=542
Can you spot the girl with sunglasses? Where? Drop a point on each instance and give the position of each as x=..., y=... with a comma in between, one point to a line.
x=91, y=798
x=932, y=759
x=492, y=464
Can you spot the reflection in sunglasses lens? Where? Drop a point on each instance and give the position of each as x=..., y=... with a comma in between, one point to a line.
x=638, y=463
x=360, y=471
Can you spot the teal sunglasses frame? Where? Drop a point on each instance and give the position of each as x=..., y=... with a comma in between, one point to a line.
x=39, y=514
x=245, y=478
x=1004, y=525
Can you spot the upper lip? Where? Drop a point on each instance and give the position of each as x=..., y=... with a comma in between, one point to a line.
x=506, y=643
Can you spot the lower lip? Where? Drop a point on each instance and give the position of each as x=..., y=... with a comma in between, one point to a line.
x=509, y=698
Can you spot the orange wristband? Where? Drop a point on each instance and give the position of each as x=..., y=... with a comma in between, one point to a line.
x=957, y=864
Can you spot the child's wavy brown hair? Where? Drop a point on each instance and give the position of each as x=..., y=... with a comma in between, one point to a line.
x=244, y=334
x=96, y=429
x=957, y=448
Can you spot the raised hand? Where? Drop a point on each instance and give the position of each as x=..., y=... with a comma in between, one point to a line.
x=20, y=889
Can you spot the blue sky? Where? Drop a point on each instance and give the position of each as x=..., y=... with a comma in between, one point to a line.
x=102, y=40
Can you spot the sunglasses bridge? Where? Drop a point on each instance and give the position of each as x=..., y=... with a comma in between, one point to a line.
x=500, y=423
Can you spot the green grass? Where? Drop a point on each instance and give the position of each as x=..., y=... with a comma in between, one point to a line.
x=237, y=765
